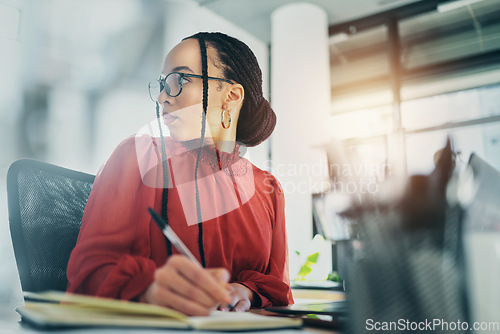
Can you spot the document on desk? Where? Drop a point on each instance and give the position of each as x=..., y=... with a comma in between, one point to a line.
x=59, y=310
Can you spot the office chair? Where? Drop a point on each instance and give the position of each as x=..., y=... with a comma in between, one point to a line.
x=46, y=204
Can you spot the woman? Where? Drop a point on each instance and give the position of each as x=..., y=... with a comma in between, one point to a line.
x=229, y=213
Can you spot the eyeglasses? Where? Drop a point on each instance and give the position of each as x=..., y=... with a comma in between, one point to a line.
x=172, y=83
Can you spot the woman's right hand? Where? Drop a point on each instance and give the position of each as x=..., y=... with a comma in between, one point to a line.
x=185, y=286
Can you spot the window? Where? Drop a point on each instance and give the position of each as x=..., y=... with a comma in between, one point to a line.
x=471, y=118
x=423, y=72
x=442, y=36
x=359, y=65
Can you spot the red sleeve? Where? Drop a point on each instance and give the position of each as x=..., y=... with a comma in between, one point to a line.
x=272, y=286
x=111, y=257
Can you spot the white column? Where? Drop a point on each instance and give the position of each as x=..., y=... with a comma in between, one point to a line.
x=300, y=96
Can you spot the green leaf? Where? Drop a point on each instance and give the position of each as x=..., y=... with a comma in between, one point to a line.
x=313, y=257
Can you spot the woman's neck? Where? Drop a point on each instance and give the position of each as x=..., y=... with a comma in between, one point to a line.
x=225, y=145
x=225, y=139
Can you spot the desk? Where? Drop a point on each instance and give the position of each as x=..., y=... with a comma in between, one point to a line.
x=9, y=324
x=306, y=296
x=313, y=295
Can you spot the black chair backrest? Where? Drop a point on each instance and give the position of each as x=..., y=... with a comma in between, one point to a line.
x=46, y=204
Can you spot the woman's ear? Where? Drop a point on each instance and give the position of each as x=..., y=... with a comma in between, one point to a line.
x=235, y=96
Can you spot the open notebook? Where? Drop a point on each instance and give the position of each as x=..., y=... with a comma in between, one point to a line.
x=57, y=309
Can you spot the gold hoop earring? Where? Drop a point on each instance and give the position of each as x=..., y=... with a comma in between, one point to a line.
x=222, y=119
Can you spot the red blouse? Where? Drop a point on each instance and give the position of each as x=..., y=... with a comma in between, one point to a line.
x=119, y=246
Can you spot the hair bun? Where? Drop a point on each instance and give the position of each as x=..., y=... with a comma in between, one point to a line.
x=264, y=105
x=238, y=63
x=257, y=125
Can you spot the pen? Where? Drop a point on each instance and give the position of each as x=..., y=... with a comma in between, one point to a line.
x=172, y=236
x=176, y=241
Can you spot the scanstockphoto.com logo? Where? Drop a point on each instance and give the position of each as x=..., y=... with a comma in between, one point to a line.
x=437, y=325
x=224, y=185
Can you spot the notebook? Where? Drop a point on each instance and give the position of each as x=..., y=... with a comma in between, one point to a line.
x=59, y=310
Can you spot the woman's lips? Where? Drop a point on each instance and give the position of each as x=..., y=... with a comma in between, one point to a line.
x=169, y=118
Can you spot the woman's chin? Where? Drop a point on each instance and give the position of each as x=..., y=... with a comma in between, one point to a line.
x=181, y=133
x=181, y=136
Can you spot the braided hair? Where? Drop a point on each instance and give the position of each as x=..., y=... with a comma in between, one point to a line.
x=204, y=76
x=256, y=120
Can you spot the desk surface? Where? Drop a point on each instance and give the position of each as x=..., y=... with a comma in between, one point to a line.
x=9, y=323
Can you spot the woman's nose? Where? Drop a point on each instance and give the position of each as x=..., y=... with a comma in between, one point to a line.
x=164, y=98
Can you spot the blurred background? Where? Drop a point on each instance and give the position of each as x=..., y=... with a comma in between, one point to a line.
x=383, y=81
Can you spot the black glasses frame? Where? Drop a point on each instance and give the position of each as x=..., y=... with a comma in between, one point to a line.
x=162, y=82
